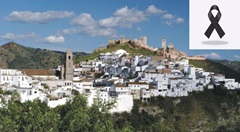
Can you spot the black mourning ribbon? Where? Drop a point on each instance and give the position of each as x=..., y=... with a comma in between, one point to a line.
x=214, y=23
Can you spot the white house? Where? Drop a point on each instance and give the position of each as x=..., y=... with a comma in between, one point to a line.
x=191, y=72
x=11, y=77
x=120, y=89
x=177, y=87
x=135, y=88
x=145, y=94
x=231, y=84
x=124, y=103
x=52, y=103
x=161, y=86
x=29, y=94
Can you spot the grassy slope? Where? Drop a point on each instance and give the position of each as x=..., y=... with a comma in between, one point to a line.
x=126, y=47
x=212, y=66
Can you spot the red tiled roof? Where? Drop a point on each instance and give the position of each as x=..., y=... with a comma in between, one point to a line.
x=120, y=85
x=137, y=83
x=31, y=72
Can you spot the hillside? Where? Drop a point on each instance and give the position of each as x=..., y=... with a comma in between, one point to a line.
x=16, y=56
x=232, y=64
x=211, y=110
x=213, y=66
x=132, y=51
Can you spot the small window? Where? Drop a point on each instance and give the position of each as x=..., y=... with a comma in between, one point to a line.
x=69, y=57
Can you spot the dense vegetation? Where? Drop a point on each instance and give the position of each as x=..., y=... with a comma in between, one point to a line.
x=36, y=116
x=211, y=110
x=213, y=66
x=132, y=51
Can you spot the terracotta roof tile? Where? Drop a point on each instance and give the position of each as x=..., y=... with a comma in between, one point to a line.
x=31, y=72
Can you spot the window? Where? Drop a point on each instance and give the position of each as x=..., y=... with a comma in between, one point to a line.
x=69, y=57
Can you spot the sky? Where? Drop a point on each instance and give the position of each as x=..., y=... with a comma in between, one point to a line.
x=85, y=25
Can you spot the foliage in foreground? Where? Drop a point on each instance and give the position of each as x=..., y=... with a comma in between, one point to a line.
x=211, y=110
x=74, y=116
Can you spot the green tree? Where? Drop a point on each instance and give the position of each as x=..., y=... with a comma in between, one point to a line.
x=74, y=115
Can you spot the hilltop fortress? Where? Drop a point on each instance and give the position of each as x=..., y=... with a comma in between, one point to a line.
x=142, y=43
x=165, y=51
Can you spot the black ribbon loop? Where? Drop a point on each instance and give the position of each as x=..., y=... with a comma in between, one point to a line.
x=214, y=23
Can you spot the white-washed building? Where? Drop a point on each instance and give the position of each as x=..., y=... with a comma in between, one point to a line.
x=135, y=88
x=11, y=77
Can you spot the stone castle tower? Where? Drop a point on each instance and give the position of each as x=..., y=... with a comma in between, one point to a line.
x=164, y=43
x=68, y=66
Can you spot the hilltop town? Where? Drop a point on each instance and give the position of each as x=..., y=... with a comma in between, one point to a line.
x=116, y=77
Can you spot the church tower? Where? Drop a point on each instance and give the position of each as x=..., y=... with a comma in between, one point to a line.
x=164, y=43
x=69, y=66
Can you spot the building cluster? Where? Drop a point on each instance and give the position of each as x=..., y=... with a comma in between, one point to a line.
x=113, y=77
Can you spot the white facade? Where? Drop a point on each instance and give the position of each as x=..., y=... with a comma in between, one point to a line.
x=161, y=87
x=231, y=84
x=15, y=78
x=120, y=89
x=191, y=72
x=29, y=94
x=135, y=88
x=124, y=103
x=145, y=94
x=177, y=88
x=55, y=103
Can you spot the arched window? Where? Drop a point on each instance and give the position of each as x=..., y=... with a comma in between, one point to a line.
x=69, y=57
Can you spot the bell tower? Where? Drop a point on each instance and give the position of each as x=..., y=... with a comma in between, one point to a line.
x=164, y=43
x=69, y=66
